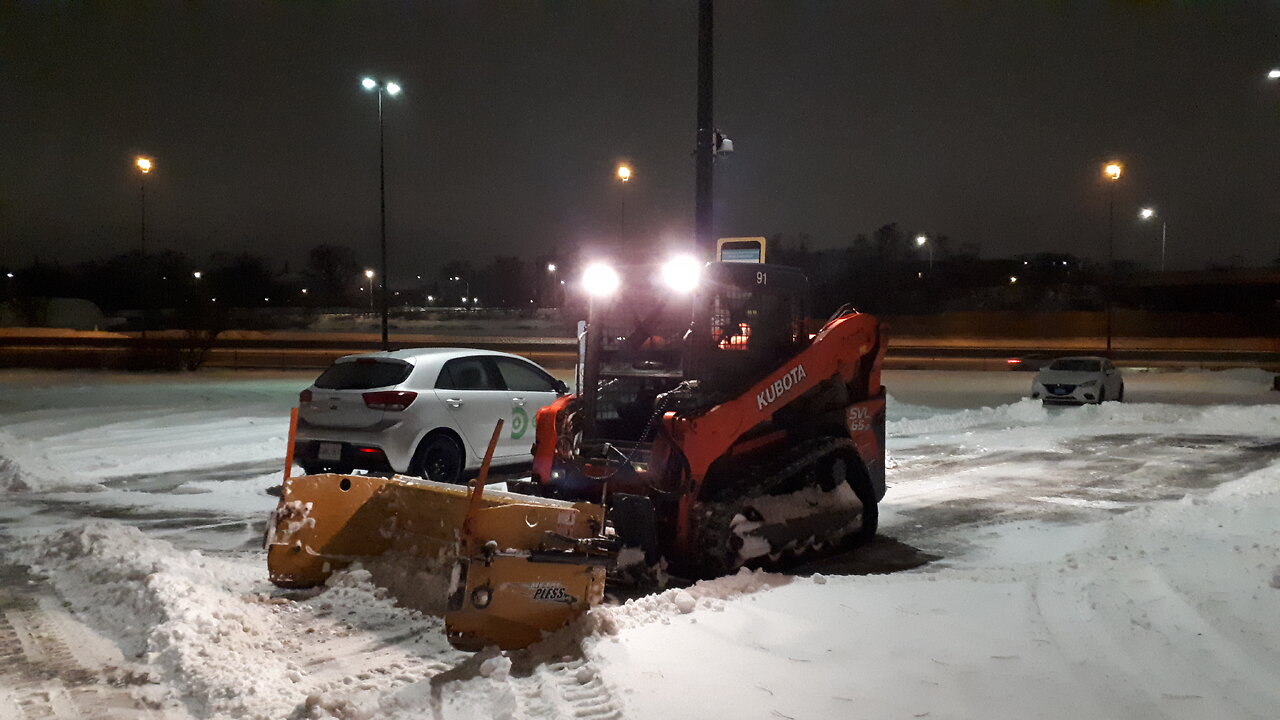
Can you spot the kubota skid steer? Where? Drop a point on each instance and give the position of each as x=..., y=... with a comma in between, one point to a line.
x=719, y=432
x=715, y=430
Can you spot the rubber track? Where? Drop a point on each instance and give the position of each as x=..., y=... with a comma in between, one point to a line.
x=717, y=515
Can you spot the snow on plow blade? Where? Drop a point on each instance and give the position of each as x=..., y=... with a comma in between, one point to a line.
x=501, y=570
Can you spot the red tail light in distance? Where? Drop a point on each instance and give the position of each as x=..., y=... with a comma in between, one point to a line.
x=394, y=400
x=304, y=396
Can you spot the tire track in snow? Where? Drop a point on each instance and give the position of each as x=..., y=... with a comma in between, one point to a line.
x=42, y=678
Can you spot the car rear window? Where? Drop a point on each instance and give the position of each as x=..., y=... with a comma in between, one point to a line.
x=1076, y=365
x=363, y=374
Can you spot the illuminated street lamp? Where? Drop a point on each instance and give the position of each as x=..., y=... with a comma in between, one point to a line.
x=1148, y=214
x=392, y=89
x=144, y=165
x=369, y=275
x=466, y=287
x=923, y=241
x=1273, y=74
x=197, y=274
x=1112, y=172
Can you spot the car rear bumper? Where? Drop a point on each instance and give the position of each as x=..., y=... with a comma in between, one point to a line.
x=381, y=451
x=355, y=457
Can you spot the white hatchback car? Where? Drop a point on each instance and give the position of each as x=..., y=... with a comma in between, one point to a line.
x=1078, y=380
x=428, y=412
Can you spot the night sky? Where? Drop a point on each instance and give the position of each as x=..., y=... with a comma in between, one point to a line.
x=988, y=121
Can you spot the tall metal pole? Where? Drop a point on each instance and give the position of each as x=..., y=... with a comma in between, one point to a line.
x=1164, y=228
x=382, y=209
x=705, y=150
x=142, y=258
x=1111, y=225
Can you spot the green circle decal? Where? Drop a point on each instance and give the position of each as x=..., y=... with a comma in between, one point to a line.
x=519, y=423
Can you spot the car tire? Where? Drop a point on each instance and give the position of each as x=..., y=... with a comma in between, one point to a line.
x=1120, y=396
x=1102, y=396
x=439, y=458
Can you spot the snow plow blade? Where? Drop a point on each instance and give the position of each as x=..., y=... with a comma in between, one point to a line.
x=501, y=570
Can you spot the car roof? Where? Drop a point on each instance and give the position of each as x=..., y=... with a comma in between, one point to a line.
x=414, y=356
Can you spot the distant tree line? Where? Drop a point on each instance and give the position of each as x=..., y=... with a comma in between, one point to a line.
x=887, y=271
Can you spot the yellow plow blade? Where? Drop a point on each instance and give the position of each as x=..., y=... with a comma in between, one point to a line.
x=520, y=566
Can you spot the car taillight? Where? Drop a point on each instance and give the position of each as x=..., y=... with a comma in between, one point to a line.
x=389, y=400
x=304, y=396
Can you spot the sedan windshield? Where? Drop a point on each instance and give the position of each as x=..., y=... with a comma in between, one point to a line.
x=1076, y=365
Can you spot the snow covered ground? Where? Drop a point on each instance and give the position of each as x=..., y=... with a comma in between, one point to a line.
x=1120, y=561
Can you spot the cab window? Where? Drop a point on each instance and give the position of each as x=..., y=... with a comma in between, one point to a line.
x=467, y=374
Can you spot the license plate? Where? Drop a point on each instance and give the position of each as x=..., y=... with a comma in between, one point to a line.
x=330, y=451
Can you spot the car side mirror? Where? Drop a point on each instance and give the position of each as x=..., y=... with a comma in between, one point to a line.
x=562, y=388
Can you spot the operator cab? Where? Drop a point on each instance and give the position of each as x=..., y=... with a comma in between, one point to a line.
x=748, y=320
x=722, y=325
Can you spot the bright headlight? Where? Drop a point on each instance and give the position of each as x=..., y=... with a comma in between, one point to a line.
x=600, y=280
x=681, y=273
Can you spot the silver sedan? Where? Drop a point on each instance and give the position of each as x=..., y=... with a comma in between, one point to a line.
x=1078, y=380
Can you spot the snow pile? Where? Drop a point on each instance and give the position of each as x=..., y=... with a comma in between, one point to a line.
x=12, y=478
x=704, y=595
x=1019, y=413
x=1108, y=417
x=208, y=629
x=189, y=617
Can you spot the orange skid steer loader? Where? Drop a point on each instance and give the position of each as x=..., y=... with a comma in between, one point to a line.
x=710, y=431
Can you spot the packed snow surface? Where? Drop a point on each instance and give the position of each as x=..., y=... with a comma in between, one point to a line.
x=1114, y=561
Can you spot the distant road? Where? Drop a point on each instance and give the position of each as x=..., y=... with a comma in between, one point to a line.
x=284, y=350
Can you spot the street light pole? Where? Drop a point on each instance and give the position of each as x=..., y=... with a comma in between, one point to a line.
x=466, y=284
x=1148, y=213
x=393, y=89
x=1112, y=171
x=382, y=219
x=705, y=149
x=144, y=165
x=624, y=175
x=1164, y=230
x=923, y=241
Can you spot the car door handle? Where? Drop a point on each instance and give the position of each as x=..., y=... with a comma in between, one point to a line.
x=454, y=402
x=518, y=401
